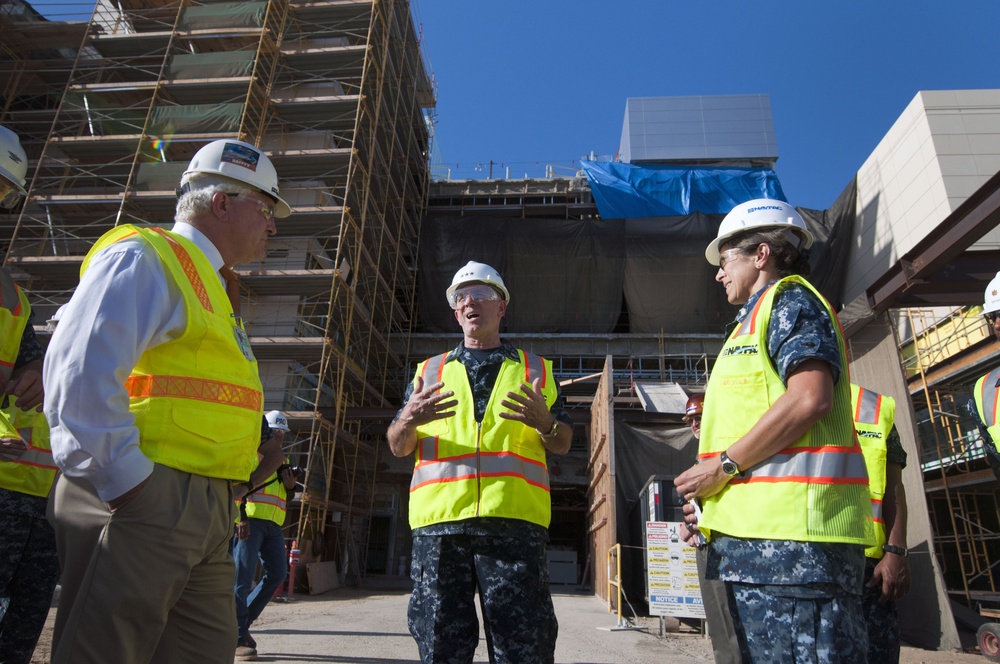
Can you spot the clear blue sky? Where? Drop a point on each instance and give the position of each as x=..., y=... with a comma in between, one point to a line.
x=543, y=82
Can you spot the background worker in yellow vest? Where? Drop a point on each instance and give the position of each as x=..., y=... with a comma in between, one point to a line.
x=887, y=571
x=155, y=405
x=986, y=394
x=781, y=478
x=29, y=567
x=481, y=420
x=725, y=646
x=259, y=536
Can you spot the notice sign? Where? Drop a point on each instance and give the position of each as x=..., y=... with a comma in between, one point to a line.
x=671, y=572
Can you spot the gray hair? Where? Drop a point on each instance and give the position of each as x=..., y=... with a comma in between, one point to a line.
x=197, y=200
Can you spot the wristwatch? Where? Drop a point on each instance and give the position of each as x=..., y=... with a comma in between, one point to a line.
x=552, y=431
x=898, y=550
x=729, y=466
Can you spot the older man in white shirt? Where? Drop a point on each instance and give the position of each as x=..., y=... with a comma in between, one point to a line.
x=155, y=407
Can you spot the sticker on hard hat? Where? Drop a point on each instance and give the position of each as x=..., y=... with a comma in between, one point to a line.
x=241, y=155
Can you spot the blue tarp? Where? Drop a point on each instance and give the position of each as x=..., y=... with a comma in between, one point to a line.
x=628, y=191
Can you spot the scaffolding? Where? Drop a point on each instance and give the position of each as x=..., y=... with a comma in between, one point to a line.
x=112, y=107
x=943, y=354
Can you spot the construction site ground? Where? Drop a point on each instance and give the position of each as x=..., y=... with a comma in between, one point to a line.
x=368, y=626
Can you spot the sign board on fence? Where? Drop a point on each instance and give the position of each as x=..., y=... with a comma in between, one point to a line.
x=671, y=572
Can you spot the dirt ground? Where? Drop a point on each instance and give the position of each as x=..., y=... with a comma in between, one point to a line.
x=368, y=626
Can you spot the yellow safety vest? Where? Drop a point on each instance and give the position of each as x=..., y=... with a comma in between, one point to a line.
x=14, y=312
x=34, y=471
x=874, y=415
x=496, y=469
x=815, y=490
x=197, y=400
x=987, y=395
x=268, y=503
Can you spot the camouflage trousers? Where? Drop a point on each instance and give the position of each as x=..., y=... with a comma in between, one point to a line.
x=512, y=579
x=29, y=570
x=882, y=621
x=815, y=623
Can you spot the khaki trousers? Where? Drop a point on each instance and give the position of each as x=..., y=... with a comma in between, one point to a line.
x=725, y=645
x=152, y=582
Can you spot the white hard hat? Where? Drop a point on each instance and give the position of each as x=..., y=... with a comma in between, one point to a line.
x=481, y=273
x=759, y=214
x=13, y=167
x=277, y=420
x=991, y=299
x=51, y=323
x=237, y=161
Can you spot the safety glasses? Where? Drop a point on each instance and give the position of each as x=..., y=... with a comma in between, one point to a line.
x=264, y=208
x=479, y=293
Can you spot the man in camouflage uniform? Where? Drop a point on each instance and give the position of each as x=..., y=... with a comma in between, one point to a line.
x=481, y=419
x=29, y=565
x=792, y=599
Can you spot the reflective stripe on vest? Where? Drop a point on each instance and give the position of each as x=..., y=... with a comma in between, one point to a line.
x=35, y=456
x=491, y=464
x=184, y=258
x=819, y=465
x=986, y=395
x=868, y=407
x=877, y=513
x=185, y=387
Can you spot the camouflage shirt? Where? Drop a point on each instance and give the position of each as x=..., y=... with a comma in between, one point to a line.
x=30, y=349
x=483, y=371
x=800, y=329
x=894, y=448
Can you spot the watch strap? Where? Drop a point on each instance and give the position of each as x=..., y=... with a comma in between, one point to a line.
x=898, y=550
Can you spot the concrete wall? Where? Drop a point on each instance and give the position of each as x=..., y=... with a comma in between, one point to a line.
x=942, y=148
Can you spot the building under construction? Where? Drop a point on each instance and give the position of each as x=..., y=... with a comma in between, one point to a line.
x=111, y=104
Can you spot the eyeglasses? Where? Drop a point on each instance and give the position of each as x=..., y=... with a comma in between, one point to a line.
x=728, y=255
x=266, y=210
x=991, y=317
x=262, y=207
x=475, y=293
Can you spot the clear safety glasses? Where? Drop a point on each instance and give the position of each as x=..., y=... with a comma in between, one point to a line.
x=264, y=208
x=478, y=293
x=728, y=255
